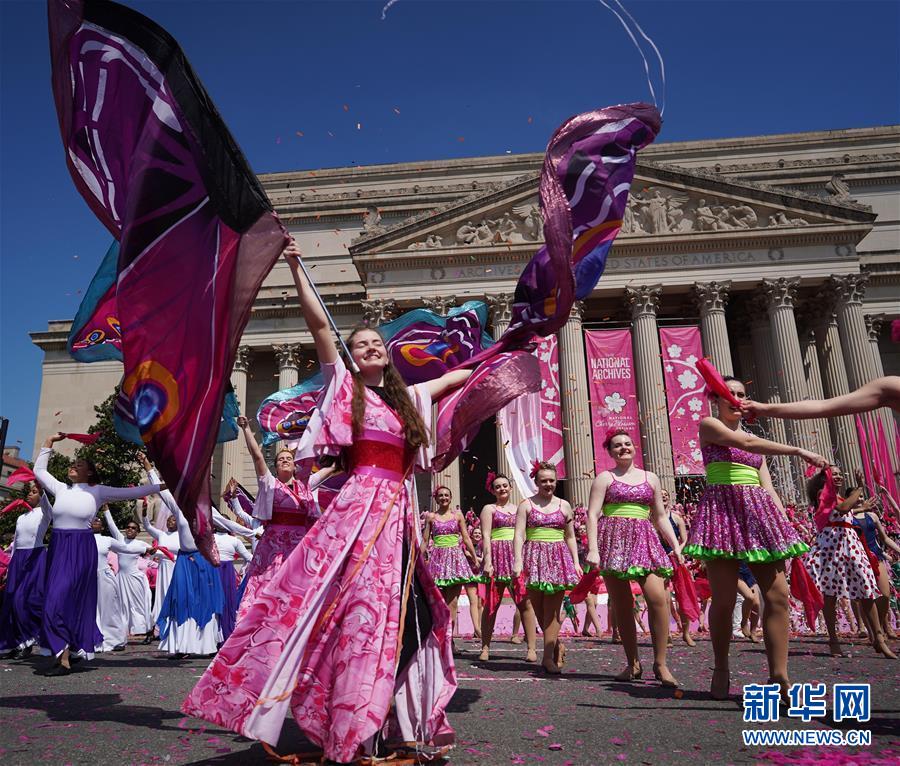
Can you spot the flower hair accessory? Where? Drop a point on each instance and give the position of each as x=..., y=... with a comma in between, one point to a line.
x=535, y=467
x=489, y=484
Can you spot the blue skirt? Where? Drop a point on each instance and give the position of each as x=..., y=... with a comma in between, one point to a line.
x=230, y=598
x=70, y=603
x=23, y=601
x=195, y=592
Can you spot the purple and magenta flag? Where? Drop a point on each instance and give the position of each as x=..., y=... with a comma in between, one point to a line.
x=585, y=182
x=197, y=235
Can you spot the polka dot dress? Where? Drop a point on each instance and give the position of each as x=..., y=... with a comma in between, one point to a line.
x=839, y=564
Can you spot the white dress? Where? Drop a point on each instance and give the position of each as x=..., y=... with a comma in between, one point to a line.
x=169, y=541
x=134, y=588
x=110, y=612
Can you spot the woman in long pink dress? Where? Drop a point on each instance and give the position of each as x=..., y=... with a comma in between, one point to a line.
x=351, y=636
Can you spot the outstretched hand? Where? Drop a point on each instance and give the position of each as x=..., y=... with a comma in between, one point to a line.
x=292, y=252
x=813, y=458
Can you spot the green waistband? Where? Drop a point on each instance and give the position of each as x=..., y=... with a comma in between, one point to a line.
x=544, y=535
x=628, y=510
x=446, y=541
x=503, y=533
x=731, y=473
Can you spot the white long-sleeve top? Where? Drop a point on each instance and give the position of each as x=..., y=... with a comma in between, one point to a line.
x=31, y=527
x=230, y=546
x=105, y=544
x=164, y=539
x=223, y=522
x=76, y=506
x=128, y=551
x=185, y=537
x=250, y=521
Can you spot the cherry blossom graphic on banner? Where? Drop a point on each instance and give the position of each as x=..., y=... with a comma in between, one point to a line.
x=612, y=385
x=685, y=395
x=551, y=410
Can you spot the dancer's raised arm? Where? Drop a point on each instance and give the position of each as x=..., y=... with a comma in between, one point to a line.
x=881, y=392
x=313, y=311
x=256, y=454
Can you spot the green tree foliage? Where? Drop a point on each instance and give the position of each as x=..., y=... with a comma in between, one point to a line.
x=117, y=463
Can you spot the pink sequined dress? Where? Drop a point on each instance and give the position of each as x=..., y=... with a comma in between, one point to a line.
x=740, y=520
x=503, y=527
x=629, y=547
x=293, y=508
x=546, y=557
x=447, y=560
x=322, y=641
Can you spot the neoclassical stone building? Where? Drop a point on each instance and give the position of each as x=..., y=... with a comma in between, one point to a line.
x=785, y=249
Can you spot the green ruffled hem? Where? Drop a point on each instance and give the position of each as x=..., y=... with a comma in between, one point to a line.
x=758, y=556
x=635, y=573
x=548, y=587
x=504, y=580
x=458, y=581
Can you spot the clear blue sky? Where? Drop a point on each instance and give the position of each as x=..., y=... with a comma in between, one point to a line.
x=467, y=79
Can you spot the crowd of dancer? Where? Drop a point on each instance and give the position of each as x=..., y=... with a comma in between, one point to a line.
x=344, y=618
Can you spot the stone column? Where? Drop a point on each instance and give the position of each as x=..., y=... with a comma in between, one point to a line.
x=576, y=408
x=288, y=358
x=834, y=383
x=711, y=298
x=234, y=453
x=791, y=378
x=767, y=390
x=820, y=430
x=501, y=314
x=655, y=439
x=885, y=415
x=379, y=311
x=848, y=291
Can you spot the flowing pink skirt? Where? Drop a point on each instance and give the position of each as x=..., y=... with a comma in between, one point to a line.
x=320, y=641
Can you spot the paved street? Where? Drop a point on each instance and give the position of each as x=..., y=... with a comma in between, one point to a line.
x=123, y=709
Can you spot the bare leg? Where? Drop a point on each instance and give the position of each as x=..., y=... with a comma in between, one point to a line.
x=722, y=575
x=546, y=606
x=515, y=638
x=527, y=615
x=621, y=602
x=750, y=605
x=591, y=617
x=613, y=625
x=776, y=619
x=474, y=608
x=830, y=612
x=883, y=602
x=658, y=603
x=451, y=596
x=862, y=630
x=870, y=615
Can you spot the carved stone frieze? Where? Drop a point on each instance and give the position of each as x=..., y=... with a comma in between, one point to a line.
x=440, y=304
x=379, y=311
x=874, y=323
x=500, y=305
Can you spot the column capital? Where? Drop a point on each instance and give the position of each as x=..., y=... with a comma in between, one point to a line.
x=873, y=325
x=242, y=359
x=379, y=310
x=288, y=355
x=711, y=296
x=500, y=305
x=577, y=311
x=780, y=293
x=644, y=300
x=440, y=304
x=849, y=288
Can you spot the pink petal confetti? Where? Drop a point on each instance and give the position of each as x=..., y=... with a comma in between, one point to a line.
x=555, y=746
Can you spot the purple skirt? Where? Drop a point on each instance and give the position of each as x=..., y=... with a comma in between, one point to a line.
x=449, y=566
x=502, y=560
x=70, y=604
x=549, y=566
x=230, y=605
x=630, y=548
x=23, y=602
x=740, y=521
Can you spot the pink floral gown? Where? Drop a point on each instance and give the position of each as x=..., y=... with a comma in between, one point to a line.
x=322, y=639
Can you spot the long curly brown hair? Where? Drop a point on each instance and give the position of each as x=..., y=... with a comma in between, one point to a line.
x=413, y=426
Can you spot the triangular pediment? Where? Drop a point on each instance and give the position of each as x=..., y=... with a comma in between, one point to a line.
x=665, y=202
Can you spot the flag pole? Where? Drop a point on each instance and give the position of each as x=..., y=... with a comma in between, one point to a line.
x=331, y=321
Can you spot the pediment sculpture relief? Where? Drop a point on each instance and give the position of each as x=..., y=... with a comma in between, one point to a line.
x=651, y=211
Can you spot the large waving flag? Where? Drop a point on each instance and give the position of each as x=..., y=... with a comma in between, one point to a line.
x=585, y=181
x=96, y=335
x=197, y=235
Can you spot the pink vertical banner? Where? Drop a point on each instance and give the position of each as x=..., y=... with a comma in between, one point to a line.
x=613, y=393
x=685, y=398
x=551, y=411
